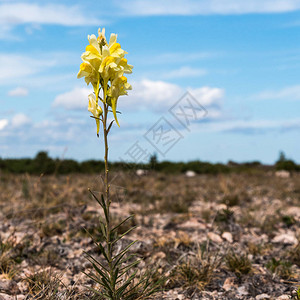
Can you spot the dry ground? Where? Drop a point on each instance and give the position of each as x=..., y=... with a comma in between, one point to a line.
x=232, y=236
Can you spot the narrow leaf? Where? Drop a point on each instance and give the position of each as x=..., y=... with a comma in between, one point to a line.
x=127, y=268
x=95, y=197
x=121, y=290
x=122, y=253
x=103, y=229
x=104, y=208
x=125, y=220
x=108, y=129
x=96, y=261
x=114, y=109
x=122, y=235
x=115, y=276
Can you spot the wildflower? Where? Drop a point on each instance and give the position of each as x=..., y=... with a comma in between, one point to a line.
x=90, y=74
x=95, y=109
x=104, y=66
x=118, y=88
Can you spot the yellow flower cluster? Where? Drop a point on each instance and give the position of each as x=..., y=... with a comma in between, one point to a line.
x=104, y=66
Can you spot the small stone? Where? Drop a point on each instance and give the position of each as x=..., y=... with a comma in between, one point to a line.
x=214, y=237
x=262, y=297
x=190, y=173
x=22, y=285
x=159, y=255
x=141, y=172
x=227, y=236
x=282, y=174
x=9, y=287
x=292, y=211
x=5, y=297
x=220, y=207
x=241, y=290
x=19, y=237
x=192, y=224
x=228, y=284
x=284, y=297
x=286, y=238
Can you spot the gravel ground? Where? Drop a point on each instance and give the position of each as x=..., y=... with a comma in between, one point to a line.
x=233, y=236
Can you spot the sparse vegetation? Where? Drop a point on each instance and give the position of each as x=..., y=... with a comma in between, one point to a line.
x=238, y=263
x=282, y=268
x=294, y=254
x=196, y=272
x=45, y=226
x=43, y=284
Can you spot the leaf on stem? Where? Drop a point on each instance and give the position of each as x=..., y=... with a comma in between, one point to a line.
x=121, y=289
x=110, y=126
x=122, y=235
x=125, y=220
x=122, y=253
x=95, y=197
x=96, y=261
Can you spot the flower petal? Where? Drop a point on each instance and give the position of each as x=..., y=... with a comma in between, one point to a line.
x=112, y=40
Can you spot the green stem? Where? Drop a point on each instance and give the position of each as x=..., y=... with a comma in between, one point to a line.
x=107, y=198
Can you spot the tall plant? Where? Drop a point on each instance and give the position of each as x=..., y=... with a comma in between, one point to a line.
x=104, y=66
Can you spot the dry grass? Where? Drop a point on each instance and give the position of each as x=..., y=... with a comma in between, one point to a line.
x=47, y=219
x=238, y=263
x=196, y=272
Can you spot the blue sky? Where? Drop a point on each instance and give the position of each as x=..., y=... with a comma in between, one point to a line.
x=240, y=60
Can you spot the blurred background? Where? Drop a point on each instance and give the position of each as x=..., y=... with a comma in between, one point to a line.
x=239, y=61
x=206, y=159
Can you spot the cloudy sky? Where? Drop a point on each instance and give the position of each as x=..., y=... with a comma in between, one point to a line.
x=239, y=61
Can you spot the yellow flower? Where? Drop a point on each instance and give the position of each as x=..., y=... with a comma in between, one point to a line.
x=101, y=36
x=108, y=67
x=92, y=53
x=91, y=76
x=85, y=69
x=103, y=65
x=95, y=109
x=116, y=50
x=112, y=66
x=119, y=87
x=125, y=67
x=112, y=39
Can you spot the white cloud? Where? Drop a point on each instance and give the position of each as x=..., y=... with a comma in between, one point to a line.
x=18, y=92
x=25, y=13
x=5, y=32
x=287, y=93
x=160, y=95
x=3, y=123
x=207, y=7
x=155, y=96
x=19, y=120
x=207, y=95
x=19, y=69
x=74, y=99
x=249, y=126
x=34, y=136
x=175, y=57
x=14, y=67
x=184, y=72
x=32, y=28
x=152, y=95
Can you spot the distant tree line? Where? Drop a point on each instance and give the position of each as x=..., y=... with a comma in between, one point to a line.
x=286, y=164
x=43, y=164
